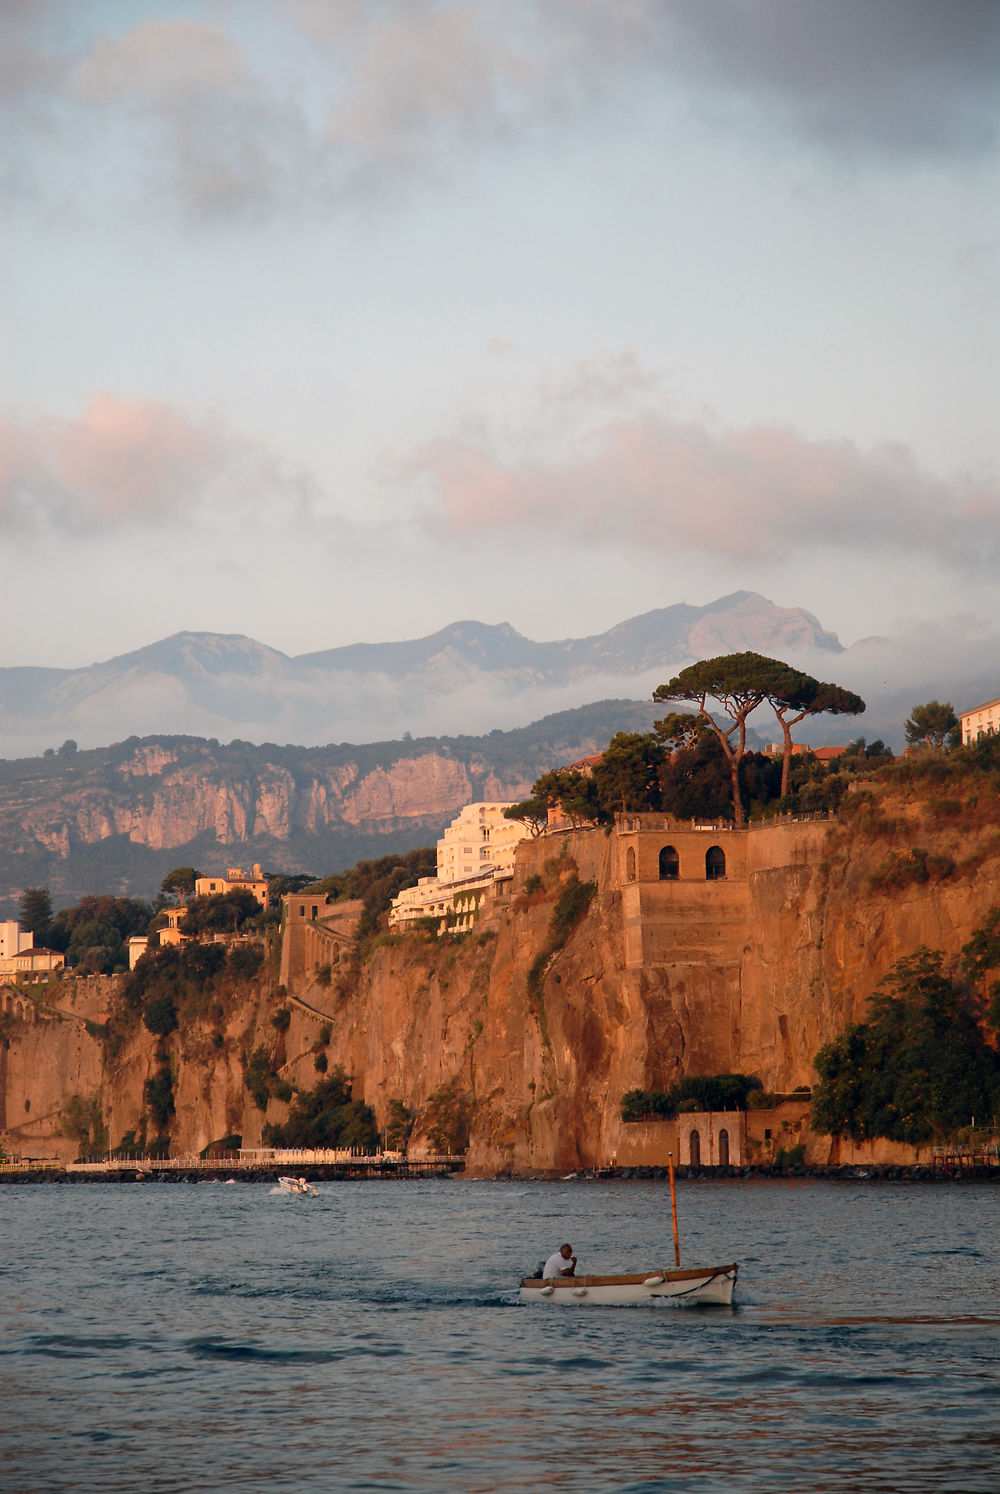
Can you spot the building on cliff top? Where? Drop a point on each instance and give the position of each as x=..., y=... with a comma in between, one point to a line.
x=236, y=880
x=13, y=939
x=476, y=850
x=32, y=962
x=981, y=721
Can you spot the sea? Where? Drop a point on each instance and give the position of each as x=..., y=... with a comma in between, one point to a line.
x=223, y=1336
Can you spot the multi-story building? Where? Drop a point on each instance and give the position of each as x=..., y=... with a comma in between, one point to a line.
x=236, y=879
x=14, y=939
x=476, y=850
x=981, y=721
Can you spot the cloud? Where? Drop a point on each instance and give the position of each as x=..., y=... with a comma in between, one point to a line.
x=127, y=462
x=659, y=484
x=360, y=96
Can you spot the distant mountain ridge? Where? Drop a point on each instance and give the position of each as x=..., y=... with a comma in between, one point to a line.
x=469, y=676
x=119, y=818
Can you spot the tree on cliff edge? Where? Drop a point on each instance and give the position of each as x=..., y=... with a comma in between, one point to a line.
x=742, y=682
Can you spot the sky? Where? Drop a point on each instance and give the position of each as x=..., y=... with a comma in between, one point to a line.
x=329, y=321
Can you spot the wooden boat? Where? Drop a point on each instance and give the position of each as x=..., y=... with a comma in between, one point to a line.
x=693, y=1284
x=704, y=1284
x=297, y=1185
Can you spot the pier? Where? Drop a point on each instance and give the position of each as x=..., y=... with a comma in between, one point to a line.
x=250, y=1164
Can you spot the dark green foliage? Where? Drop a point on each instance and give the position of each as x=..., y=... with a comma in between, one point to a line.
x=281, y=1020
x=647, y=1104
x=158, y=1093
x=910, y=868
x=230, y=1143
x=92, y=934
x=398, y=1126
x=83, y=1120
x=244, y=961
x=933, y=725
x=179, y=883
x=571, y=906
x=792, y=1156
x=533, y=813
x=35, y=914
x=627, y=779
x=980, y=958
x=223, y=912
x=701, y=1092
x=321, y=1063
x=919, y=1067
x=574, y=793
x=259, y=1077
x=324, y=1036
x=449, y=1118
x=376, y=883
x=327, y=1116
x=159, y=1016
x=740, y=683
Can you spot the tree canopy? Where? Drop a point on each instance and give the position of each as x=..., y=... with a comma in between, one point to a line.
x=740, y=683
x=919, y=1067
x=933, y=725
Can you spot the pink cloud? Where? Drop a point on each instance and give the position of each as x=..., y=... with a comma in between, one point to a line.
x=763, y=492
x=120, y=461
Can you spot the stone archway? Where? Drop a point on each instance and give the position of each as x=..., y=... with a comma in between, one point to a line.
x=670, y=864
x=694, y=1149
x=715, y=864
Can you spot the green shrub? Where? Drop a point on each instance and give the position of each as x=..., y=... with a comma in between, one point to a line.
x=907, y=868
x=281, y=1020
x=327, y=1116
x=245, y=960
x=449, y=1118
x=158, y=1093
x=159, y=1016
x=321, y=1063
x=793, y=1156
x=699, y=1092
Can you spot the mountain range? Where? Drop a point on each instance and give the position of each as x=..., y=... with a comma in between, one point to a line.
x=473, y=678
x=468, y=677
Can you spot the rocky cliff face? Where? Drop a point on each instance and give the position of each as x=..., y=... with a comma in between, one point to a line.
x=538, y=1023
x=121, y=817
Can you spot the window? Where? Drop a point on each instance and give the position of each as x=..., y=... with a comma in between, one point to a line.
x=670, y=865
x=630, y=864
x=715, y=864
x=694, y=1149
x=723, y=1148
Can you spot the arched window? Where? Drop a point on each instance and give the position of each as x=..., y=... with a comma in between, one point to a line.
x=630, y=864
x=723, y=1148
x=694, y=1149
x=670, y=865
x=715, y=864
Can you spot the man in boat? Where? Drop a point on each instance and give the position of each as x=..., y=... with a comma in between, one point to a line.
x=562, y=1263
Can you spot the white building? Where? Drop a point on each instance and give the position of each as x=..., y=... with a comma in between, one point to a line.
x=981, y=721
x=14, y=939
x=476, y=849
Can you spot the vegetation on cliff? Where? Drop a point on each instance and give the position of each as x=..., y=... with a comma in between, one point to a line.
x=698, y=1092
x=327, y=1116
x=921, y=1066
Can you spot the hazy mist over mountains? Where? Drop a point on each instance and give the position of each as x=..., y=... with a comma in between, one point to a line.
x=472, y=677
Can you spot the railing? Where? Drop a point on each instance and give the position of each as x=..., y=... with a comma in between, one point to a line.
x=28, y=1164
x=253, y=1158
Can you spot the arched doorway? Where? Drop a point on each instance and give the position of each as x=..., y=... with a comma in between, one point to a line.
x=630, y=864
x=670, y=865
x=723, y=1148
x=715, y=864
x=694, y=1149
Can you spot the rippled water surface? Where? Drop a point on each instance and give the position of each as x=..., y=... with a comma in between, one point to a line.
x=178, y=1337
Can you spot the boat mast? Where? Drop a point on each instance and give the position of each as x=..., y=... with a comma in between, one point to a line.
x=673, y=1209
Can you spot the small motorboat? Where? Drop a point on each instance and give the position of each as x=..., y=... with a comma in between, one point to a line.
x=704, y=1284
x=297, y=1185
x=712, y=1285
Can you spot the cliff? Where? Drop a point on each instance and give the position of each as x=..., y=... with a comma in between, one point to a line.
x=121, y=817
x=587, y=977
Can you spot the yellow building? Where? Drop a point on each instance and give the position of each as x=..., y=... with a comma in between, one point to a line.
x=235, y=880
x=981, y=721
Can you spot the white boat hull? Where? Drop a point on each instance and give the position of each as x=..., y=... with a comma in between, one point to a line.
x=295, y=1185
x=695, y=1284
